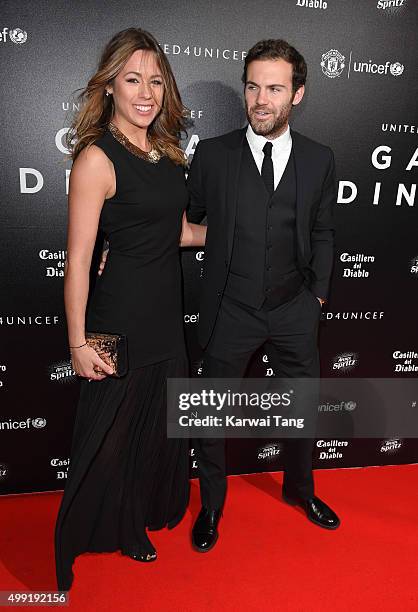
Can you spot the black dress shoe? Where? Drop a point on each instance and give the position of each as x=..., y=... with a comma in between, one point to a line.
x=205, y=529
x=316, y=510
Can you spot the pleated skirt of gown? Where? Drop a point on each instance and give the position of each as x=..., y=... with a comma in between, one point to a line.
x=125, y=475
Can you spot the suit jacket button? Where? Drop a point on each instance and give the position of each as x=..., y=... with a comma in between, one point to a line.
x=219, y=293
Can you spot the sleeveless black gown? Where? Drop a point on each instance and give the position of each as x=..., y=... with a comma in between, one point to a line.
x=125, y=475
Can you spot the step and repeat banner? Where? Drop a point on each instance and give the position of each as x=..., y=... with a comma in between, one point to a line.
x=360, y=100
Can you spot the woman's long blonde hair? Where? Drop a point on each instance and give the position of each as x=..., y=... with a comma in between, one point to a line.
x=96, y=109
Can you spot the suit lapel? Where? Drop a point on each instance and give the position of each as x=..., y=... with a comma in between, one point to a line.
x=300, y=167
x=234, y=156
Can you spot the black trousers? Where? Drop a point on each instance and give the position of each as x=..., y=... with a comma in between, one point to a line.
x=290, y=331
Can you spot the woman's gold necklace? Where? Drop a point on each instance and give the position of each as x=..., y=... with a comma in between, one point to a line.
x=153, y=156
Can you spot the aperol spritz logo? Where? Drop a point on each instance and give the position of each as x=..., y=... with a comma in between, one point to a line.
x=414, y=266
x=345, y=362
x=269, y=452
x=391, y=7
x=62, y=372
x=391, y=446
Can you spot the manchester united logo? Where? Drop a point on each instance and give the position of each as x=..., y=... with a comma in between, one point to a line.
x=332, y=63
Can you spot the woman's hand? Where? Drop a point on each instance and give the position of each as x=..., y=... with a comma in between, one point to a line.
x=192, y=235
x=103, y=261
x=87, y=363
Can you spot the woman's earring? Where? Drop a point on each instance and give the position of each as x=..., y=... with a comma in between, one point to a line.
x=107, y=93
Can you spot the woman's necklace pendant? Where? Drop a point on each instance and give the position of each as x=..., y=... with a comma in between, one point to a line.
x=153, y=156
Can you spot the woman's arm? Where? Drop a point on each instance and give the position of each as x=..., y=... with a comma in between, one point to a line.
x=92, y=179
x=192, y=235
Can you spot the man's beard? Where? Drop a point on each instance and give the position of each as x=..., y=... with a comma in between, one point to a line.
x=272, y=127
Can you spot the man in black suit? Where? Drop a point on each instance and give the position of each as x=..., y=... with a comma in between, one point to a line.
x=268, y=194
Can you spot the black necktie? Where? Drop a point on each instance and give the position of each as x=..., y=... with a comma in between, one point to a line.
x=267, y=172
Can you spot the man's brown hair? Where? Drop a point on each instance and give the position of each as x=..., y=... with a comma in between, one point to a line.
x=278, y=49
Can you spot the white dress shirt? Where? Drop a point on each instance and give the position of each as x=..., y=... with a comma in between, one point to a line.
x=280, y=153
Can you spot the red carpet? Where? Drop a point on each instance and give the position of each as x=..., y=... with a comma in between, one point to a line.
x=269, y=556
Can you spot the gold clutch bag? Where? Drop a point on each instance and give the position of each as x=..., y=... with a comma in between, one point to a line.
x=112, y=348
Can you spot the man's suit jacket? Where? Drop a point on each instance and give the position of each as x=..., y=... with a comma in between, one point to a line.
x=213, y=187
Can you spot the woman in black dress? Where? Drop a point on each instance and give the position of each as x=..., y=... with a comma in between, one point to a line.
x=128, y=181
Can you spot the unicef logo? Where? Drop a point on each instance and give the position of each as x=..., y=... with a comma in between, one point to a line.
x=18, y=36
x=332, y=63
x=350, y=406
x=39, y=422
x=396, y=69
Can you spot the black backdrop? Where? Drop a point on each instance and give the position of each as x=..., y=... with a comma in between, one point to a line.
x=361, y=100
